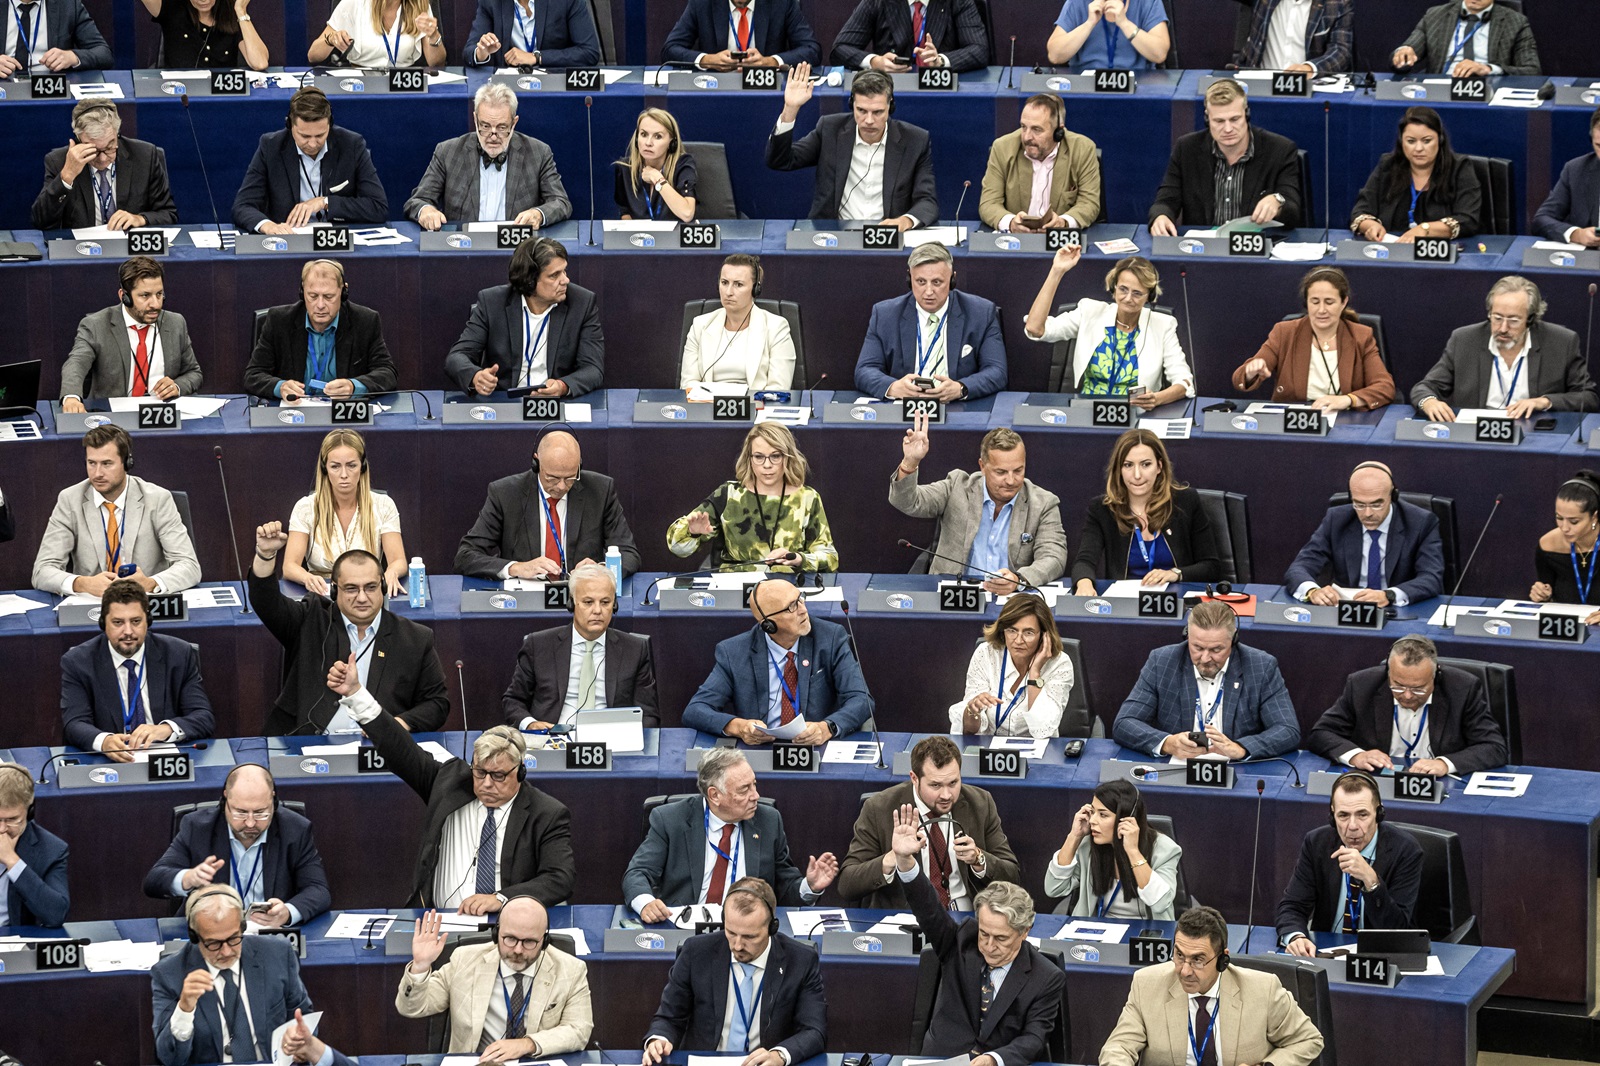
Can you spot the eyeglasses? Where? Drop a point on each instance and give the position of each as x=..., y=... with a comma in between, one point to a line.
x=560, y=482
x=1510, y=321
x=1194, y=962
x=792, y=608
x=1125, y=293
x=217, y=945
x=1411, y=690
x=1014, y=632
x=107, y=152
x=766, y=459
x=1369, y=506
x=370, y=589
x=520, y=943
x=493, y=131
x=497, y=776
x=236, y=814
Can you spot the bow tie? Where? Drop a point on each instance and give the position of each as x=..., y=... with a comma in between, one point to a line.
x=496, y=161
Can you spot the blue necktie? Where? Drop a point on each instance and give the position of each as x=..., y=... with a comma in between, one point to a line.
x=738, y=1031
x=485, y=883
x=107, y=196
x=241, y=1044
x=133, y=710
x=1374, y=561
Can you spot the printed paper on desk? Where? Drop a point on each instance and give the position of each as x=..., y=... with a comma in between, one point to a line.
x=1129, y=588
x=578, y=412
x=352, y=926
x=1299, y=251
x=331, y=749
x=440, y=753
x=894, y=923
x=718, y=1060
x=1258, y=408
x=444, y=77
x=210, y=596
x=522, y=584
x=612, y=225
x=784, y=416
x=112, y=955
x=143, y=754
x=474, y=1060
x=954, y=1060
x=1581, y=610
x=1487, y=783
x=106, y=233
x=105, y=90
x=210, y=238
x=19, y=429
x=1027, y=747
x=621, y=737
x=12, y=604
x=795, y=727
x=804, y=921
x=1094, y=932
x=580, y=943
x=179, y=75
x=949, y=236
x=1505, y=96
x=1120, y=246
x=852, y=751
x=279, y=1058
x=1168, y=428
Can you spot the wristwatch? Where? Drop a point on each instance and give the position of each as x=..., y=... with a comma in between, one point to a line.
x=833, y=728
x=501, y=896
x=1282, y=199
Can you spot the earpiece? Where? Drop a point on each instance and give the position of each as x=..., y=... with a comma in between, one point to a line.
x=1222, y=960
x=127, y=300
x=768, y=626
x=772, y=921
x=18, y=769
x=1373, y=464
x=755, y=290
x=193, y=903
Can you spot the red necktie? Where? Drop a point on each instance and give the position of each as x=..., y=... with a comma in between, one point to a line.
x=939, y=859
x=791, y=683
x=552, y=532
x=141, y=363
x=719, y=870
x=742, y=35
x=916, y=28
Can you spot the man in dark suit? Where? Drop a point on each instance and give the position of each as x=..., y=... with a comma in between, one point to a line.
x=70, y=41
x=896, y=187
x=1572, y=210
x=697, y=847
x=998, y=997
x=320, y=344
x=969, y=849
x=1350, y=875
x=488, y=833
x=129, y=688
x=697, y=1011
x=1210, y=683
x=548, y=520
x=514, y=33
x=33, y=860
x=1387, y=548
x=102, y=178
x=268, y=852
x=394, y=664
x=582, y=667
x=788, y=666
x=493, y=174
x=1326, y=45
x=1515, y=361
x=893, y=36
x=313, y=171
x=118, y=353
x=1414, y=713
x=1468, y=38
x=724, y=34
x=540, y=332
x=932, y=332
x=1262, y=170
x=195, y=993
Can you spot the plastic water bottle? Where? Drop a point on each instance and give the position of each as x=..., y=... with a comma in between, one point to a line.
x=417, y=582
x=614, y=564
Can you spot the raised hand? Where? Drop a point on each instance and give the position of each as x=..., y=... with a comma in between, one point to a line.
x=427, y=940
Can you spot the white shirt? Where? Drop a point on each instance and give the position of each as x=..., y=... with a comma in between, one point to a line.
x=535, y=343
x=957, y=884
x=1322, y=379
x=38, y=39
x=757, y=981
x=777, y=658
x=1400, y=598
x=1213, y=1006
x=367, y=48
x=385, y=519
x=863, y=185
x=1209, y=690
x=560, y=509
x=1286, y=35
x=457, y=875
x=158, y=363
x=1409, y=726
x=182, y=1021
x=121, y=674
x=1496, y=397
x=494, y=1019
x=361, y=647
x=733, y=38
x=928, y=362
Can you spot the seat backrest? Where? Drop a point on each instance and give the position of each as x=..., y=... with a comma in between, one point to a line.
x=1162, y=823
x=601, y=10
x=788, y=309
x=1500, y=684
x=986, y=12
x=1080, y=702
x=713, y=190
x=1216, y=507
x=1308, y=205
x=1444, y=509
x=1495, y=178
x=256, y=325
x=182, y=810
x=928, y=972
x=652, y=802
x=1444, y=900
x=1171, y=62
x=180, y=500
x=1374, y=323
x=1308, y=984
x=1059, y=1042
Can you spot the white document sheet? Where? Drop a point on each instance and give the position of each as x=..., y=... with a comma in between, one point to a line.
x=324, y=750
x=211, y=596
x=1488, y=783
x=19, y=429
x=120, y=955
x=1129, y=588
x=106, y=90
x=851, y=751
x=1434, y=967
x=1093, y=932
x=804, y=922
x=144, y=754
x=312, y=1020
x=439, y=752
x=1168, y=428
x=13, y=604
x=106, y=233
x=210, y=238
x=1257, y=408
x=894, y=923
x=580, y=943
x=352, y=926
x=784, y=416
x=1027, y=747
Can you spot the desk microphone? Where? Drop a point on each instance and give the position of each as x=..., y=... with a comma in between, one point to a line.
x=1143, y=770
x=1463, y=575
x=1255, y=854
x=844, y=605
x=215, y=220
x=1011, y=64
x=427, y=403
x=1021, y=583
x=1327, y=159
x=1194, y=361
x=833, y=79
x=588, y=121
x=963, y=199
x=462, y=681
x=811, y=390
x=233, y=535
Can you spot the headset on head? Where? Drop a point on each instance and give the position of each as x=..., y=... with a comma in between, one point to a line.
x=1233, y=643
x=1058, y=112
x=192, y=904
x=305, y=91
x=33, y=798
x=876, y=78
x=772, y=919
x=533, y=463
x=755, y=289
x=514, y=738
x=1372, y=783
x=338, y=269
x=226, y=781
x=1373, y=464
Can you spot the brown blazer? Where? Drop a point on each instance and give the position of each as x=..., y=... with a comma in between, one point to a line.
x=1287, y=353
x=1008, y=181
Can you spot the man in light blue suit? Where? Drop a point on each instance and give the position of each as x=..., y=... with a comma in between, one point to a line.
x=788, y=666
x=532, y=33
x=1209, y=684
x=224, y=990
x=932, y=333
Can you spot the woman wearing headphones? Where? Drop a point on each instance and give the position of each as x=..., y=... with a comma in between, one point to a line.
x=767, y=516
x=1128, y=870
x=1124, y=348
x=343, y=513
x=207, y=34
x=739, y=343
x=656, y=179
x=1147, y=525
x=1565, y=563
x=1326, y=356
x=1019, y=679
x=381, y=34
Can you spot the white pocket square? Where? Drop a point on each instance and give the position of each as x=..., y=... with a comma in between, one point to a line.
x=339, y=186
x=966, y=350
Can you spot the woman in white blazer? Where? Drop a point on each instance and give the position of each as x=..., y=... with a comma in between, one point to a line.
x=738, y=343
x=1122, y=345
x=1118, y=866
x=1019, y=678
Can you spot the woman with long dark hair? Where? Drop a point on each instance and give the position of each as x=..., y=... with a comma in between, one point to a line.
x=1421, y=189
x=1127, y=869
x=209, y=34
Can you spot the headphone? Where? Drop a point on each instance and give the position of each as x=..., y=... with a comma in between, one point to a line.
x=306, y=91
x=1244, y=94
x=1372, y=783
x=127, y=298
x=544, y=941
x=772, y=920
x=877, y=84
x=1373, y=464
x=1223, y=592
x=1222, y=960
x=1058, y=111
x=32, y=798
x=755, y=290
x=334, y=265
x=193, y=903
x=1234, y=642
x=533, y=464
x=767, y=625
x=516, y=741
x=226, y=781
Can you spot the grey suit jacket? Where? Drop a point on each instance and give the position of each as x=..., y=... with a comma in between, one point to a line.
x=101, y=361
x=1555, y=368
x=152, y=536
x=1511, y=43
x=141, y=186
x=1037, y=546
x=671, y=863
x=451, y=181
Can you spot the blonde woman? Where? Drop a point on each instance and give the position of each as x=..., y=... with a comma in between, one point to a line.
x=381, y=33
x=343, y=513
x=656, y=179
x=767, y=516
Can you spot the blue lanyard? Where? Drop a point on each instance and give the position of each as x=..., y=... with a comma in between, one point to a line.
x=130, y=711
x=748, y=1016
x=744, y=45
x=924, y=357
x=1110, y=33
x=1147, y=553
x=28, y=39
x=1516, y=372
x=514, y=1020
x=1583, y=583
x=527, y=27
x=733, y=860
x=1353, y=904
x=105, y=532
x=1460, y=42
x=1022, y=690
x=1207, y=717
x=255, y=871
x=650, y=203
x=1411, y=213
x=1200, y=1048
x=1422, y=725
x=532, y=346
x=399, y=28
x=550, y=523
x=1101, y=906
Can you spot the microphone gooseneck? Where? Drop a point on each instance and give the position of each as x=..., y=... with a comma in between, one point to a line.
x=215, y=219
x=461, y=680
x=1255, y=854
x=588, y=121
x=1478, y=544
x=233, y=534
x=872, y=704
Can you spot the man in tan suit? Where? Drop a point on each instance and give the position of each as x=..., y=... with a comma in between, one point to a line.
x=1173, y=1013
x=1043, y=172
x=515, y=998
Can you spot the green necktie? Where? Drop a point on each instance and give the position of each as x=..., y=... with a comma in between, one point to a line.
x=586, y=678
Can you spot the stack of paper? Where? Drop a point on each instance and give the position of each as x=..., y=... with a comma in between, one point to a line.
x=851, y=751
x=120, y=955
x=1129, y=588
x=1168, y=428
x=352, y=926
x=13, y=604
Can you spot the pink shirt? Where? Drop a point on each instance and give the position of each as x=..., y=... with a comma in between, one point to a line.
x=1044, y=171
